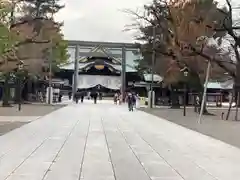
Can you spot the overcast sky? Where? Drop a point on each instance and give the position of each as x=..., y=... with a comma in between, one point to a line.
x=98, y=20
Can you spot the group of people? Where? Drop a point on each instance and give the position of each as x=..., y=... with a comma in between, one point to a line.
x=131, y=99
x=79, y=95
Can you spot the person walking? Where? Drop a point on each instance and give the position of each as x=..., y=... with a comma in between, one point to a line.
x=69, y=95
x=94, y=95
x=100, y=95
x=89, y=95
x=120, y=99
x=115, y=98
x=82, y=96
x=134, y=99
x=137, y=100
x=77, y=96
x=130, y=101
x=60, y=97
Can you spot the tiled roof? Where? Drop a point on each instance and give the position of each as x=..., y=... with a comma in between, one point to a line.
x=130, y=58
x=218, y=85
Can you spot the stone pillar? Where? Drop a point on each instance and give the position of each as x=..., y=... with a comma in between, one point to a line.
x=76, y=69
x=123, y=74
x=49, y=95
x=149, y=99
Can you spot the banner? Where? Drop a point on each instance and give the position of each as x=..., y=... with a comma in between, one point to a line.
x=89, y=81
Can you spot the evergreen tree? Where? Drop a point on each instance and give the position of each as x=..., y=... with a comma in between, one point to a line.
x=29, y=24
x=46, y=9
x=41, y=8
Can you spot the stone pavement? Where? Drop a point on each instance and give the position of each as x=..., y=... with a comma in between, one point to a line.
x=9, y=123
x=106, y=142
x=226, y=131
x=11, y=118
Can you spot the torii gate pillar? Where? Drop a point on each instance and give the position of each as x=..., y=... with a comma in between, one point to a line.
x=76, y=68
x=123, y=74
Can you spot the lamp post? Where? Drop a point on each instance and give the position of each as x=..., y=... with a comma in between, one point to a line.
x=19, y=68
x=185, y=74
x=152, y=66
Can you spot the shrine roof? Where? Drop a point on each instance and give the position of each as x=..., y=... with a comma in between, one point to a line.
x=70, y=66
x=111, y=57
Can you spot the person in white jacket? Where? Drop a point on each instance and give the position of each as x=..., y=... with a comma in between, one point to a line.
x=137, y=100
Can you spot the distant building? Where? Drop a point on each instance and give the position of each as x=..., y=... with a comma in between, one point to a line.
x=100, y=66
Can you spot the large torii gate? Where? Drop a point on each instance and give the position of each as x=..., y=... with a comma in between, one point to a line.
x=124, y=47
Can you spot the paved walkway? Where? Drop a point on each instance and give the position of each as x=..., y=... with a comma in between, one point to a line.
x=226, y=131
x=106, y=142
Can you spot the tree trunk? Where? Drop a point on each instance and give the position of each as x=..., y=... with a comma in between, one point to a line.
x=26, y=90
x=6, y=91
x=230, y=106
x=237, y=78
x=237, y=105
x=237, y=99
x=29, y=89
x=174, y=99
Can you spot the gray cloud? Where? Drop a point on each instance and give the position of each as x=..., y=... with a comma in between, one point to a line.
x=97, y=20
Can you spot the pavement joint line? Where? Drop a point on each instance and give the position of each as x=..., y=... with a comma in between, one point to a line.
x=129, y=146
x=84, y=151
x=10, y=150
x=40, y=117
x=130, y=134
x=28, y=122
x=109, y=153
x=167, y=161
x=15, y=169
x=33, y=133
x=123, y=119
x=21, y=163
x=65, y=141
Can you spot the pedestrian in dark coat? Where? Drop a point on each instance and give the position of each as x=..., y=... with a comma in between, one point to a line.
x=130, y=101
x=69, y=95
x=94, y=95
x=82, y=94
x=77, y=96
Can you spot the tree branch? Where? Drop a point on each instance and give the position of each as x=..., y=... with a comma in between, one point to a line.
x=213, y=59
x=223, y=29
x=29, y=21
x=139, y=17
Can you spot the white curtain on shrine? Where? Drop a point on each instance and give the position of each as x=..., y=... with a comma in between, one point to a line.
x=89, y=81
